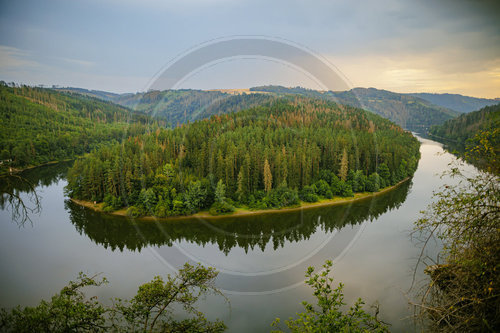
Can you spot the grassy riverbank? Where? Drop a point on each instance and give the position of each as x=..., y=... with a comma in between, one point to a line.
x=243, y=211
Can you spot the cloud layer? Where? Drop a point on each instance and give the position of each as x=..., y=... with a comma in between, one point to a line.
x=436, y=46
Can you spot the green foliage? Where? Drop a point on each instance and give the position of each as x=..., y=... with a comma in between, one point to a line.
x=464, y=295
x=195, y=196
x=308, y=194
x=67, y=311
x=220, y=192
x=466, y=126
x=134, y=212
x=373, y=182
x=326, y=315
x=220, y=208
x=280, y=229
x=474, y=136
x=223, y=158
x=484, y=150
x=384, y=173
x=38, y=125
x=152, y=309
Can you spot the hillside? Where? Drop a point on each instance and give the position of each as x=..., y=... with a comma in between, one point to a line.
x=460, y=103
x=466, y=126
x=476, y=132
x=264, y=157
x=181, y=106
x=42, y=125
x=407, y=111
x=104, y=95
x=176, y=106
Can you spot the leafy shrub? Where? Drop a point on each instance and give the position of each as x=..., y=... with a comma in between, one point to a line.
x=219, y=208
x=322, y=188
x=134, y=211
x=344, y=189
x=326, y=315
x=308, y=194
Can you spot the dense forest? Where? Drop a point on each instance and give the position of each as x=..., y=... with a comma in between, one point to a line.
x=474, y=136
x=42, y=125
x=269, y=156
x=468, y=125
x=408, y=111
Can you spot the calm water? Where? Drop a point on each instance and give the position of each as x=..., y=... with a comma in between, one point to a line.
x=262, y=259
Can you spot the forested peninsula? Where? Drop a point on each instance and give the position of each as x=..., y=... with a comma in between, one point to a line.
x=279, y=154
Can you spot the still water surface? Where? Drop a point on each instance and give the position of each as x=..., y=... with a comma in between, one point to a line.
x=262, y=258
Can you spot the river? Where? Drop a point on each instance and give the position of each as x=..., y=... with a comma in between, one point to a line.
x=262, y=258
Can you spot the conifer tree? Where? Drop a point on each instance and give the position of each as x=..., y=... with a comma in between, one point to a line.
x=268, y=177
x=344, y=166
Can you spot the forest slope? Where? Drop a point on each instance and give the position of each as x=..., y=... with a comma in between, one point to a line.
x=410, y=112
x=467, y=126
x=186, y=105
x=42, y=125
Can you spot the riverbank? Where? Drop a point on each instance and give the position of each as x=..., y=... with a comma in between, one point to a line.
x=245, y=211
x=12, y=171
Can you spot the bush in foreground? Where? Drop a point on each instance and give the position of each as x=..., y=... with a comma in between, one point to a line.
x=150, y=310
x=327, y=316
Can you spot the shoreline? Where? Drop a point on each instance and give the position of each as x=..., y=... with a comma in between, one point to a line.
x=243, y=211
x=16, y=170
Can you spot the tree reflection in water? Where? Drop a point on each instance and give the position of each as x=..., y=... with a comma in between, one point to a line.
x=247, y=232
x=18, y=192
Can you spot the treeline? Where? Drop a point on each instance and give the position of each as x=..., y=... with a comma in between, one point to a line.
x=270, y=156
x=42, y=125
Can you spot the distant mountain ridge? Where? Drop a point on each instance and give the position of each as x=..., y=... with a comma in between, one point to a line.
x=416, y=112
x=410, y=112
x=460, y=103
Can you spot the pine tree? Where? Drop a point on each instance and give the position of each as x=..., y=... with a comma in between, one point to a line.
x=268, y=177
x=240, y=192
x=344, y=166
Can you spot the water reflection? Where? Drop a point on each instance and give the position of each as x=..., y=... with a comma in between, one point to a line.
x=246, y=232
x=19, y=194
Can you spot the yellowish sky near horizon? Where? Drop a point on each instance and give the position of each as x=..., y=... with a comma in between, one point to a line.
x=421, y=74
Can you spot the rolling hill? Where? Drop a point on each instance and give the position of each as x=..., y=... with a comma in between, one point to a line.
x=410, y=112
x=475, y=136
x=468, y=125
x=186, y=105
x=40, y=125
x=460, y=103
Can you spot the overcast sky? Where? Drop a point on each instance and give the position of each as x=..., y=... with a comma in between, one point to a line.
x=119, y=45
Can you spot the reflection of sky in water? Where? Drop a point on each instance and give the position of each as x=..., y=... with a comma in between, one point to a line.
x=36, y=261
